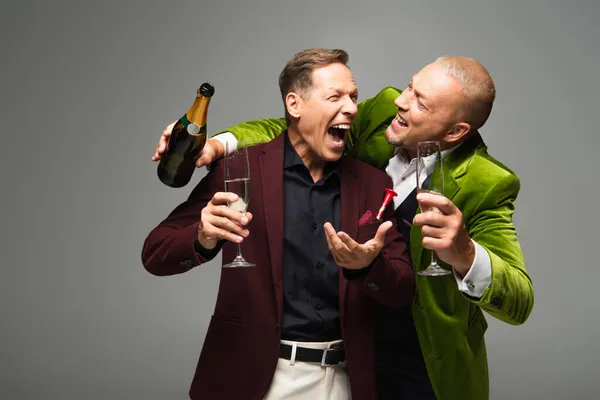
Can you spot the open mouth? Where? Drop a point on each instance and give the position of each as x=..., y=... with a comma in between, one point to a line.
x=401, y=121
x=338, y=132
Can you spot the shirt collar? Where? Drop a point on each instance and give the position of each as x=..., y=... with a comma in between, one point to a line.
x=291, y=158
x=401, y=154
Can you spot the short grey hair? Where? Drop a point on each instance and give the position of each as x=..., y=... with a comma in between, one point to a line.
x=478, y=87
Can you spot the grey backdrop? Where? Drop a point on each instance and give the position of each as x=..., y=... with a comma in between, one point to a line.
x=88, y=86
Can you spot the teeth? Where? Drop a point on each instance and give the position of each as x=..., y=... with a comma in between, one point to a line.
x=401, y=120
x=341, y=126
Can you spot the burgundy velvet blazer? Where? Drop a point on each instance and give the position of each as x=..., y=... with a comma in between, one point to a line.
x=241, y=347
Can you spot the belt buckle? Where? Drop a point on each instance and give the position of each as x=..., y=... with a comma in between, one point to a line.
x=323, y=364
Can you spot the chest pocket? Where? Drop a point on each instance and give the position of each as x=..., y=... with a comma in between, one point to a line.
x=367, y=232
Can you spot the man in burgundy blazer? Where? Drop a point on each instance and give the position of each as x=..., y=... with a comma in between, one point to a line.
x=242, y=346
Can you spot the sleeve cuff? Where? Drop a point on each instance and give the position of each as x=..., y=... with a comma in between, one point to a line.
x=479, y=277
x=227, y=139
x=354, y=274
x=207, y=253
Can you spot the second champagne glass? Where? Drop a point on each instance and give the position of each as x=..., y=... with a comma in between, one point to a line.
x=430, y=165
x=237, y=180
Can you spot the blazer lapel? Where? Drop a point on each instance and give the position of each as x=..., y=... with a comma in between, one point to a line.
x=271, y=173
x=349, y=212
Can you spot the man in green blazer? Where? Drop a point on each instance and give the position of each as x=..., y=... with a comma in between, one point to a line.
x=436, y=349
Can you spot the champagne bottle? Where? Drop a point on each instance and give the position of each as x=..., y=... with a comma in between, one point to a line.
x=187, y=140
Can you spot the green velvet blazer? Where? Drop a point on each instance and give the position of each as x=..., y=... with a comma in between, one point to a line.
x=450, y=325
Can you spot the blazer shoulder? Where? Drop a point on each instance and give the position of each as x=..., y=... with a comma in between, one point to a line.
x=484, y=173
x=390, y=91
x=257, y=148
x=485, y=166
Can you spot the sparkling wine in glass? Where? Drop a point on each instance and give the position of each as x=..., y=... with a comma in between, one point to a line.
x=430, y=179
x=237, y=180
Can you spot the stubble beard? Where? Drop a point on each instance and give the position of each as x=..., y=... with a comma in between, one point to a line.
x=393, y=141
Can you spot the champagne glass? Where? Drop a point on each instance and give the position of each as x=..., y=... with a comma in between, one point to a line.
x=430, y=179
x=237, y=180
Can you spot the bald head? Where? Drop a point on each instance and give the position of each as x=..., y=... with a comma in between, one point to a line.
x=477, y=84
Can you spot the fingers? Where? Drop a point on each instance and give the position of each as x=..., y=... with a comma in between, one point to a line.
x=220, y=198
x=333, y=240
x=161, y=146
x=218, y=221
x=349, y=250
x=343, y=248
x=213, y=150
x=382, y=231
x=437, y=244
x=203, y=160
x=218, y=147
x=348, y=241
x=432, y=232
x=206, y=154
x=430, y=218
x=443, y=204
x=221, y=201
x=450, y=224
x=334, y=243
x=214, y=226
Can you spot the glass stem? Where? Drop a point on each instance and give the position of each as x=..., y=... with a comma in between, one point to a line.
x=239, y=250
x=433, y=259
x=239, y=246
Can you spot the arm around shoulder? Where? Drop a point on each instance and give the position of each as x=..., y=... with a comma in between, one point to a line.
x=256, y=131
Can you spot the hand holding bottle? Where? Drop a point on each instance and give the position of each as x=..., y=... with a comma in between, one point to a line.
x=186, y=141
x=212, y=150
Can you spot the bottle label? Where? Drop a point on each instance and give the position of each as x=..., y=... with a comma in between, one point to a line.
x=191, y=127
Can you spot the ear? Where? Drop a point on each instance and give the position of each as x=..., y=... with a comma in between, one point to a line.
x=457, y=132
x=293, y=104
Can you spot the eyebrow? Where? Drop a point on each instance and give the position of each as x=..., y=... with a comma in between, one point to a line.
x=417, y=93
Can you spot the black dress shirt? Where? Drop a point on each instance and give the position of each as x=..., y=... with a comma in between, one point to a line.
x=310, y=275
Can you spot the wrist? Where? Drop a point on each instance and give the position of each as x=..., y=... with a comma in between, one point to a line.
x=466, y=259
x=204, y=241
x=218, y=147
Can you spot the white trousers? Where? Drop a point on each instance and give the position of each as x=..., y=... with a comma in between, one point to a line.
x=299, y=380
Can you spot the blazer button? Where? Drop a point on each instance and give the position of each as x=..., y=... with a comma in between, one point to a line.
x=186, y=263
x=373, y=287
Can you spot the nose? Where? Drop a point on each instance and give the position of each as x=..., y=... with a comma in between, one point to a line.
x=402, y=101
x=349, y=108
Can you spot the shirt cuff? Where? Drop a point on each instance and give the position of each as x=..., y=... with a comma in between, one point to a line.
x=227, y=138
x=479, y=277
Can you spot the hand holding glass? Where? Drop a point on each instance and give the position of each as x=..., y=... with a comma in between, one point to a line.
x=237, y=180
x=429, y=153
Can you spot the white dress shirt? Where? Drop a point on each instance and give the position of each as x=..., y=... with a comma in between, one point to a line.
x=404, y=173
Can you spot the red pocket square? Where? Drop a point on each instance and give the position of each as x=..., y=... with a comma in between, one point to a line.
x=366, y=218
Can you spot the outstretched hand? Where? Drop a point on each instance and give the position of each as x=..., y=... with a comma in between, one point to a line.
x=349, y=254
